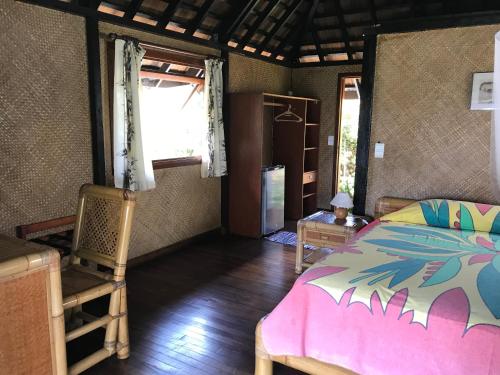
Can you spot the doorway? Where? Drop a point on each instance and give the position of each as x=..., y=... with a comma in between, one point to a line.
x=346, y=133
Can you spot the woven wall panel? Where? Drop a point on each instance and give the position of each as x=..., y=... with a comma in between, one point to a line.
x=181, y=206
x=44, y=114
x=322, y=83
x=434, y=145
x=250, y=75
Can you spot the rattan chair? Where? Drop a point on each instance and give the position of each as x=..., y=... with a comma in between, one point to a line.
x=31, y=311
x=101, y=236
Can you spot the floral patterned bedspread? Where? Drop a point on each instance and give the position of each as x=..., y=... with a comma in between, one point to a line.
x=399, y=299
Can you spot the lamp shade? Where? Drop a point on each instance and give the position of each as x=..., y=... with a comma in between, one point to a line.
x=342, y=200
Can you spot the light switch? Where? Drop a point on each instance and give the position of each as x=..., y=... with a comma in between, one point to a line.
x=379, y=150
x=330, y=140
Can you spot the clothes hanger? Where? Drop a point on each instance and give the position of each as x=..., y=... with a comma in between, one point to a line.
x=288, y=112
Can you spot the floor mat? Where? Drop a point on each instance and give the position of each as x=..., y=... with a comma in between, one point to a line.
x=287, y=238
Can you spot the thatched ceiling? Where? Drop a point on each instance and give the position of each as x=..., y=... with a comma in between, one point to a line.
x=287, y=32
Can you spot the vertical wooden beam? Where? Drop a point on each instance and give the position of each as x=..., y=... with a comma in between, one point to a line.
x=365, y=122
x=95, y=99
x=225, y=115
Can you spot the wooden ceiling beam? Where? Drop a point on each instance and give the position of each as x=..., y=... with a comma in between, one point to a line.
x=317, y=44
x=235, y=19
x=285, y=19
x=373, y=11
x=345, y=33
x=132, y=9
x=171, y=77
x=270, y=8
x=301, y=31
x=329, y=51
x=168, y=13
x=200, y=16
x=349, y=25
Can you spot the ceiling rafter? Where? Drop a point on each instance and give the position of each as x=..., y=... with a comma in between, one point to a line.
x=345, y=33
x=168, y=13
x=200, y=16
x=373, y=11
x=132, y=9
x=320, y=51
x=277, y=26
x=270, y=8
x=303, y=30
x=238, y=15
x=278, y=31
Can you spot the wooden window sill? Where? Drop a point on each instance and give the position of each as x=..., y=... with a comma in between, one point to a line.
x=176, y=162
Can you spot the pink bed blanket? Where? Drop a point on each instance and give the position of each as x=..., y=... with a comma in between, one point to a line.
x=399, y=299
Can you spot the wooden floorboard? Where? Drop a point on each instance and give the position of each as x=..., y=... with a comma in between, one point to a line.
x=194, y=311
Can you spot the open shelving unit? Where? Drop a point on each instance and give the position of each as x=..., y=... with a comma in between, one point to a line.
x=296, y=146
x=256, y=140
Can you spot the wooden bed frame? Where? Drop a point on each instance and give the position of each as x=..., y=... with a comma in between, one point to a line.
x=264, y=360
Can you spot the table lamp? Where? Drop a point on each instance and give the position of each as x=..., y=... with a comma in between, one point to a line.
x=342, y=202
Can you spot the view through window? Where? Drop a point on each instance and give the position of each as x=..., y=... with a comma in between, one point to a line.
x=171, y=109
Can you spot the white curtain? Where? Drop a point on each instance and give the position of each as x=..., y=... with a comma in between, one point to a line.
x=213, y=149
x=495, y=123
x=132, y=168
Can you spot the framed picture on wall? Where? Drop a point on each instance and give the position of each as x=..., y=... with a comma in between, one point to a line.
x=482, y=92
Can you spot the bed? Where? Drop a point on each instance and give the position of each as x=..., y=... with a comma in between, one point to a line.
x=415, y=292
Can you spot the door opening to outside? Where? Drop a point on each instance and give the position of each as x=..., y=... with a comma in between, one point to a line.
x=346, y=134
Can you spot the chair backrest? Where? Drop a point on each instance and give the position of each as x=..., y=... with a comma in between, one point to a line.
x=31, y=314
x=103, y=225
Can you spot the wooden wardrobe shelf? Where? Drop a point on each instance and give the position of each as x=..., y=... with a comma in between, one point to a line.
x=273, y=104
x=308, y=195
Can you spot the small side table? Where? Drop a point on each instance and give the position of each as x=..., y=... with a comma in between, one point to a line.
x=322, y=230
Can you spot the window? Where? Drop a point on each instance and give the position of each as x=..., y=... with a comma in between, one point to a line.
x=172, y=108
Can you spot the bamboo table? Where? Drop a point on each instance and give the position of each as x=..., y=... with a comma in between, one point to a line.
x=324, y=231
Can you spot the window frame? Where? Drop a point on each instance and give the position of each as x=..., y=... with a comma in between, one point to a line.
x=166, y=55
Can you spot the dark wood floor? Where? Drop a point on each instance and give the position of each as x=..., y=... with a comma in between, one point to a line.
x=194, y=311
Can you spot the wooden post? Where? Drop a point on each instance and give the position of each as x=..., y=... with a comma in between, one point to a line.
x=95, y=99
x=365, y=122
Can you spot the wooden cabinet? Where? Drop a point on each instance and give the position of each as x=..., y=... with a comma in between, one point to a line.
x=257, y=139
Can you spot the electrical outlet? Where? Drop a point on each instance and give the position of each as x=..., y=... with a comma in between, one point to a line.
x=330, y=140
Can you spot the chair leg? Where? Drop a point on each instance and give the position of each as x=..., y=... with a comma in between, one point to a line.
x=112, y=327
x=123, y=346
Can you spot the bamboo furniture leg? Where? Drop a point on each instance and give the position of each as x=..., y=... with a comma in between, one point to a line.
x=123, y=339
x=102, y=234
x=299, y=254
x=263, y=362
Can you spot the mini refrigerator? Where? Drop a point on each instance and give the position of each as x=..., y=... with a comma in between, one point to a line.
x=273, y=199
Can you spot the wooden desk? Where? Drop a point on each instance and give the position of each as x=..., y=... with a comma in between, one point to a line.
x=322, y=230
